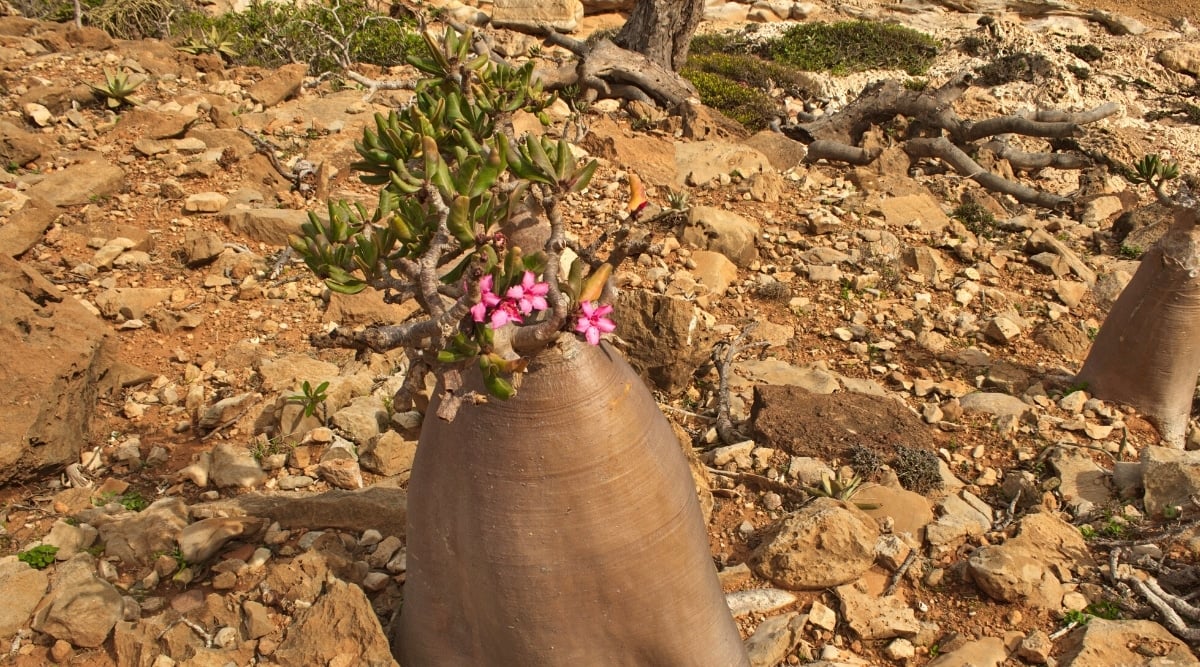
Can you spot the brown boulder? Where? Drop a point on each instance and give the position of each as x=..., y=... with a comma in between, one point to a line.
x=59, y=351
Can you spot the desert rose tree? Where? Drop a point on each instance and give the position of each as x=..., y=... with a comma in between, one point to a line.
x=1146, y=354
x=552, y=519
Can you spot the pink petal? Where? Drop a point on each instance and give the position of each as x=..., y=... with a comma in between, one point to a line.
x=485, y=283
x=538, y=303
x=515, y=292
x=592, y=335
x=588, y=309
x=478, y=311
x=606, y=325
x=582, y=325
x=538, y=289
x=603, y=310
x=528, y=280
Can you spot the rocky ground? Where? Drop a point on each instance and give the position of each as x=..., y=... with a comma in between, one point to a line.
x=157, y=343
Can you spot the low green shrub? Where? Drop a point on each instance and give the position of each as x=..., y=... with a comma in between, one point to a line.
x=755, y=72
x=853, y=46
x=271, y=34
x=1013, y=67
x=749, y=106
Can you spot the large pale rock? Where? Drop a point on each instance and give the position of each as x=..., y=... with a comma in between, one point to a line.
x=774, y=639
x=279, y=84
x=699, y=163
x=390, y=454
x=23, y=588
x=27, y=222
x=288, y=372
x=60, y=352
x=875, y=617
x=137, y=537
x=80, y=184
x=1084, y=483
x=1009, y=575
x=131, y=303
x=825, y=543
x=776, y=373
x=959, y=519
x=1170, y=476
x=1103, y=643
x=562, y=15
x=234, y=466
x=362, y=420
x=340, y=627
x=920, y=211
x=910, y=512
x=268, y=225
x=367, y=307
x=714, y=271
x=993, y=403
x=666, y=335
x=718, y=230
x=1184, y=57
x=986, y=652
x=81, y=608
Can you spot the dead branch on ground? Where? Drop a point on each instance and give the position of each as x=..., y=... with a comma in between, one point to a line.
x=936, y=131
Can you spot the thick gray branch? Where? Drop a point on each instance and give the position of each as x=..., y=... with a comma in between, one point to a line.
x=962, y=163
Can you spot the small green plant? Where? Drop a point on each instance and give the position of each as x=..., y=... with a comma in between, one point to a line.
x=1153, y=171
x=312, y=397
x=1130, y=251
x=1092, y=332
x=977, y=219
x=839, y=488
x=917, y=84
x=210, y=41
x=39, y=557
x=1013, y=67
x=1088, y=53
x=1113, y=528
x=677, y=199
x=1106, y=609
x=935, y=650
x=1075, y=618
x=1088, y=532
x=118, y=90
x=1074, y=387
x=917, y=469
x=96, y=550
x=264, y=448
x=132, y=501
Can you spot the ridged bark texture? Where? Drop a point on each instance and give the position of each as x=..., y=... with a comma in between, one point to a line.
x=560, y=527
x=661, y=30
x=1147, y=353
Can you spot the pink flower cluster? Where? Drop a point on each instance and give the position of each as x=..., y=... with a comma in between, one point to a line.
x=524, y=299
x=593, y=321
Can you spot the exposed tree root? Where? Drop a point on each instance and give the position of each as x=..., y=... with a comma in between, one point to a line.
x=723, y=356
x=937, y=132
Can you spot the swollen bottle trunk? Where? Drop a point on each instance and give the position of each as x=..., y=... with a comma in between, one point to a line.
x=560, y=527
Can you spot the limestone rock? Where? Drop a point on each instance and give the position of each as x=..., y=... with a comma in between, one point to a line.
x=718, y=230
x=81, y=608
x=234, y=466
x=562, y=15
x=23, y=588
x=758, y=600
x=774, y=639
x=80, y=184
x=667, y=338
x=59, y=351
x=268, y=225
x=1184, y=58
x=701, y=162
x=135, y=538
x=390, y=455
x=339, y=627
x=825, y=543
x=875, y=617
x=714, y=270
x=1104, y=643
x=279, y=84
x=1009, y=575
x=1171, y=477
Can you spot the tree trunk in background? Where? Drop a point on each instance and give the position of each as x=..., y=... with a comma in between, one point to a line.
x=661, y=30
x=1147, y=354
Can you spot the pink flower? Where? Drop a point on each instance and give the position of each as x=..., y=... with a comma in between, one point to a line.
x=486, y=300
x=505, y=312
x=592, y=321
x=530, y=295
